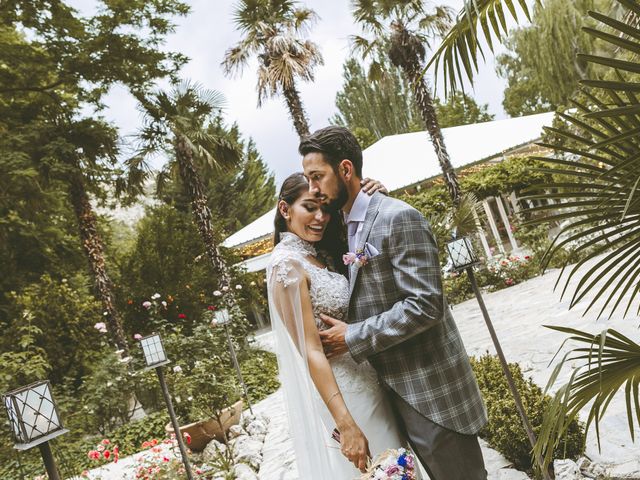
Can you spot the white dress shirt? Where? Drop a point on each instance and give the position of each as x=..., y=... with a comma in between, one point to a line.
x=355, y=219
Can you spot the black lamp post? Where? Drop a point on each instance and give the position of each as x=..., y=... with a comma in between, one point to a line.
x=155, y=357
x=222, y=317
x=464, y=258
x=34, y=418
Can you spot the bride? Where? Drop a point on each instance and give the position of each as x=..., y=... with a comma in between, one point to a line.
x=335, y=406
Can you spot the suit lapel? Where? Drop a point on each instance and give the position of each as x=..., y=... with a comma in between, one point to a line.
x=372, y=213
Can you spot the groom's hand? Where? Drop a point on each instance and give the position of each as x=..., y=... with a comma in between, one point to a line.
x=333, y=338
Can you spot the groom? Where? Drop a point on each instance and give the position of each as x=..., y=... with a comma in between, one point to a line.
x=398, y=318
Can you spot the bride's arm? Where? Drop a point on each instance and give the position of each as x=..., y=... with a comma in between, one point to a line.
x=354, y=444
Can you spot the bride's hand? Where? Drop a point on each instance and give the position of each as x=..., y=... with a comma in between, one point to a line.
x=355, y=446
x=371, y=186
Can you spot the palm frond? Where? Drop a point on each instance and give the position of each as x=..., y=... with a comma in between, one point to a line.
x=610, y=361
x=462, y=45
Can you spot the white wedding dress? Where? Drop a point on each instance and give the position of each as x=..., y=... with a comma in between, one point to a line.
x=318, y=455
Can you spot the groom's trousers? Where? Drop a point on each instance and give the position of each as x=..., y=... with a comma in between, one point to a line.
x=446, y=455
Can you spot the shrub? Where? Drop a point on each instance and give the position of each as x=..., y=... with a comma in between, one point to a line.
x=504, y=431
x=260, y=374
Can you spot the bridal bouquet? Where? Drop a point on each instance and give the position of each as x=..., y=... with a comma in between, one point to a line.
x=391, y=465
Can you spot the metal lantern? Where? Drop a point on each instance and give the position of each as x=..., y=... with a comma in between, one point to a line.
x=222, y=316
x=461, y=253
x=153, y=350
x=33, y=415
x=155, y=357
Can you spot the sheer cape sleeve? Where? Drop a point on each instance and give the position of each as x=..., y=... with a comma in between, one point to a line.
x=286, y=283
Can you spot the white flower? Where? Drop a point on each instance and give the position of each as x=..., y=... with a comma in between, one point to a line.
x=177, y=369
x=238, y=287
x=164, y=304
x=190, y=399
x=217, y=293
x=146, y=304
x=105, y=313
x=109, y=384
x=119, y=352
x=155, y=296
x=214, y=323
x=225, y=289
x=101, y=327
x=125, y=360
x=253, y=284
x=197, y=363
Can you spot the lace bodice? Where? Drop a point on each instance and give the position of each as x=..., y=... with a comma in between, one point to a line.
x=329, y=293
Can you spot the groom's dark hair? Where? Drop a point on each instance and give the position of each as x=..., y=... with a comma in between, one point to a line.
x=336, y=144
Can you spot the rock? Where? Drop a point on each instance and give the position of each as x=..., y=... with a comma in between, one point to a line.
x=566, y=470
x=248, y=450
x=257, y=427
x=236, y=431
x=213, y=449
x=625, y=471
x=243, y=471
x=246, y=420
x=591, y=470
x=511, y=474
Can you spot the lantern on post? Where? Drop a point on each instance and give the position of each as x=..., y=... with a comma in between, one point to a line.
x=222, y=317
x=463, y=257
x=155, y=357
x=35, y=420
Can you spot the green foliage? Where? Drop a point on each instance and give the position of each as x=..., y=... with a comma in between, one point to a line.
x=260, y=374
x=543, y=75
x=457, y=54
x=64, y=309
x=373, y=109
x=505, y=431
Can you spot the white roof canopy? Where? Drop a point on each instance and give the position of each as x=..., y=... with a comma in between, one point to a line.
x=406, y=159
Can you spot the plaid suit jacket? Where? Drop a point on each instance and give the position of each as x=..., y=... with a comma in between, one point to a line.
x=399, y=319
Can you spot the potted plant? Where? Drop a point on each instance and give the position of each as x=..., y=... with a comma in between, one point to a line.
x=207, y=401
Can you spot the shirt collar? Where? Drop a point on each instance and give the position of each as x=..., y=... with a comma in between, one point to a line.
x=359, y=209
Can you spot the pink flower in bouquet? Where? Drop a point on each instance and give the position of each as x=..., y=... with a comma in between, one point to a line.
x=187, y=437
x=105, y=441
x=94, y=455
x=392, y=470
x=146, y=304
x=106, y=454
x=509, y=281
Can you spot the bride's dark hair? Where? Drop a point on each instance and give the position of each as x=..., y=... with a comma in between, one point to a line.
x=333, y=243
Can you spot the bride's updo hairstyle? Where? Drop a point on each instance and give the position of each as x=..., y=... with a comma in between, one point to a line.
x=333, y=243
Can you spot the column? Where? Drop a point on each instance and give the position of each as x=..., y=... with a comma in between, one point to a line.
x=494, y=227
x=505, y=220
x=483, y=237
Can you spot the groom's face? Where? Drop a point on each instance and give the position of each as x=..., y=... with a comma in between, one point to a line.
x=324, y=182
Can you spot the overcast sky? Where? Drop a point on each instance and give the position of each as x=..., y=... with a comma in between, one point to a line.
x=206, y=34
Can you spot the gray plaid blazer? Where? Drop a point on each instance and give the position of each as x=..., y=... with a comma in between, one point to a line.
x=399, y=319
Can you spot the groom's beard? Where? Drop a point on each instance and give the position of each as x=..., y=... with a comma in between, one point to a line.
x=337, y=203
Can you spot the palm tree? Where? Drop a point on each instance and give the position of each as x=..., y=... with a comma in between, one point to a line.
x=596, y=168
x=273, y=31
x=404, y=29
x=177, y=123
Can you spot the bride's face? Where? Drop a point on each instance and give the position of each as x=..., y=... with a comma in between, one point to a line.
x=306, y=218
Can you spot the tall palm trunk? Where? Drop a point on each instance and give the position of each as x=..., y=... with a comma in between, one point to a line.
x=199, y=205
x=296, y=110
x=94, y=249
x=403, y=54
